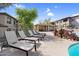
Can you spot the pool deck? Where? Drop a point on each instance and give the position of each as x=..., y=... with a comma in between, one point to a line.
x=50, y=46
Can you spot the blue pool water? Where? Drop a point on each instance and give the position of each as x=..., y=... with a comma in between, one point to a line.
x=74, y=49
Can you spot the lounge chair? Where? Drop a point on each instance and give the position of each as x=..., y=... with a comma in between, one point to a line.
x=33, y=35
x=24, y=37
x=14, y=43
x=37, y=33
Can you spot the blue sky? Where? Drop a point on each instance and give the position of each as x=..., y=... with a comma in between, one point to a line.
x=55, y=11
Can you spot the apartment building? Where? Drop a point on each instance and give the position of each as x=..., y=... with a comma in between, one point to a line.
x=63, y=23
x=68, y=23
x=7, y=23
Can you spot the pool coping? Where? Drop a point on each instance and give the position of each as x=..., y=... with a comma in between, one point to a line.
x=73, y=45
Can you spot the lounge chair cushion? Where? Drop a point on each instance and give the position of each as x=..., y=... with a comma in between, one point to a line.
x=22, y=34
x=24, y=46
x=11, y=37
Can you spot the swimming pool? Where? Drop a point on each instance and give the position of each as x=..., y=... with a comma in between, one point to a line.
x=73, y=49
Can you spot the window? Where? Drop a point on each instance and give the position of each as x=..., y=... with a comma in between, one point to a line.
x=14, y=22
x=9, y=20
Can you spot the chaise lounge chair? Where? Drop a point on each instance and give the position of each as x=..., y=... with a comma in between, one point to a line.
x=14, y=43
x=24, y=37
x=37, y=33
x=33, y=35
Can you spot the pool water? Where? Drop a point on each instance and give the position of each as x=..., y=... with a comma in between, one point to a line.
x=74, y=49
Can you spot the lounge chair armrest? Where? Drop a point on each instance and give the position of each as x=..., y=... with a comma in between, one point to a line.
x=26, y=39
x=30, y=36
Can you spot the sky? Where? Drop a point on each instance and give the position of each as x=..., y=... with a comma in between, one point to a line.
x=55, y=11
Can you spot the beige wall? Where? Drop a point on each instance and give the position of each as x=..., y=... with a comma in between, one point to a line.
x=36, y=27
x=2, y=18
x=2, y=29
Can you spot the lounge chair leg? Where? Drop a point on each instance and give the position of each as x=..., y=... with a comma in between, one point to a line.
x=1, y=48
x=35, y=48
x=35, y=45
x=26, y=53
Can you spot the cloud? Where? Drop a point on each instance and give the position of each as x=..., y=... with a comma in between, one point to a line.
x=19, y=6
x=48, y=10
x=50, y=14
x=75, y=14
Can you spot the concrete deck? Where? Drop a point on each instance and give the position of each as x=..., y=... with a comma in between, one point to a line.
x=50, y=46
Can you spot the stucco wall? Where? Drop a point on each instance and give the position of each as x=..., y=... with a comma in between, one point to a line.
x=76, y=23
x=2, y=30
x=2, y=18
